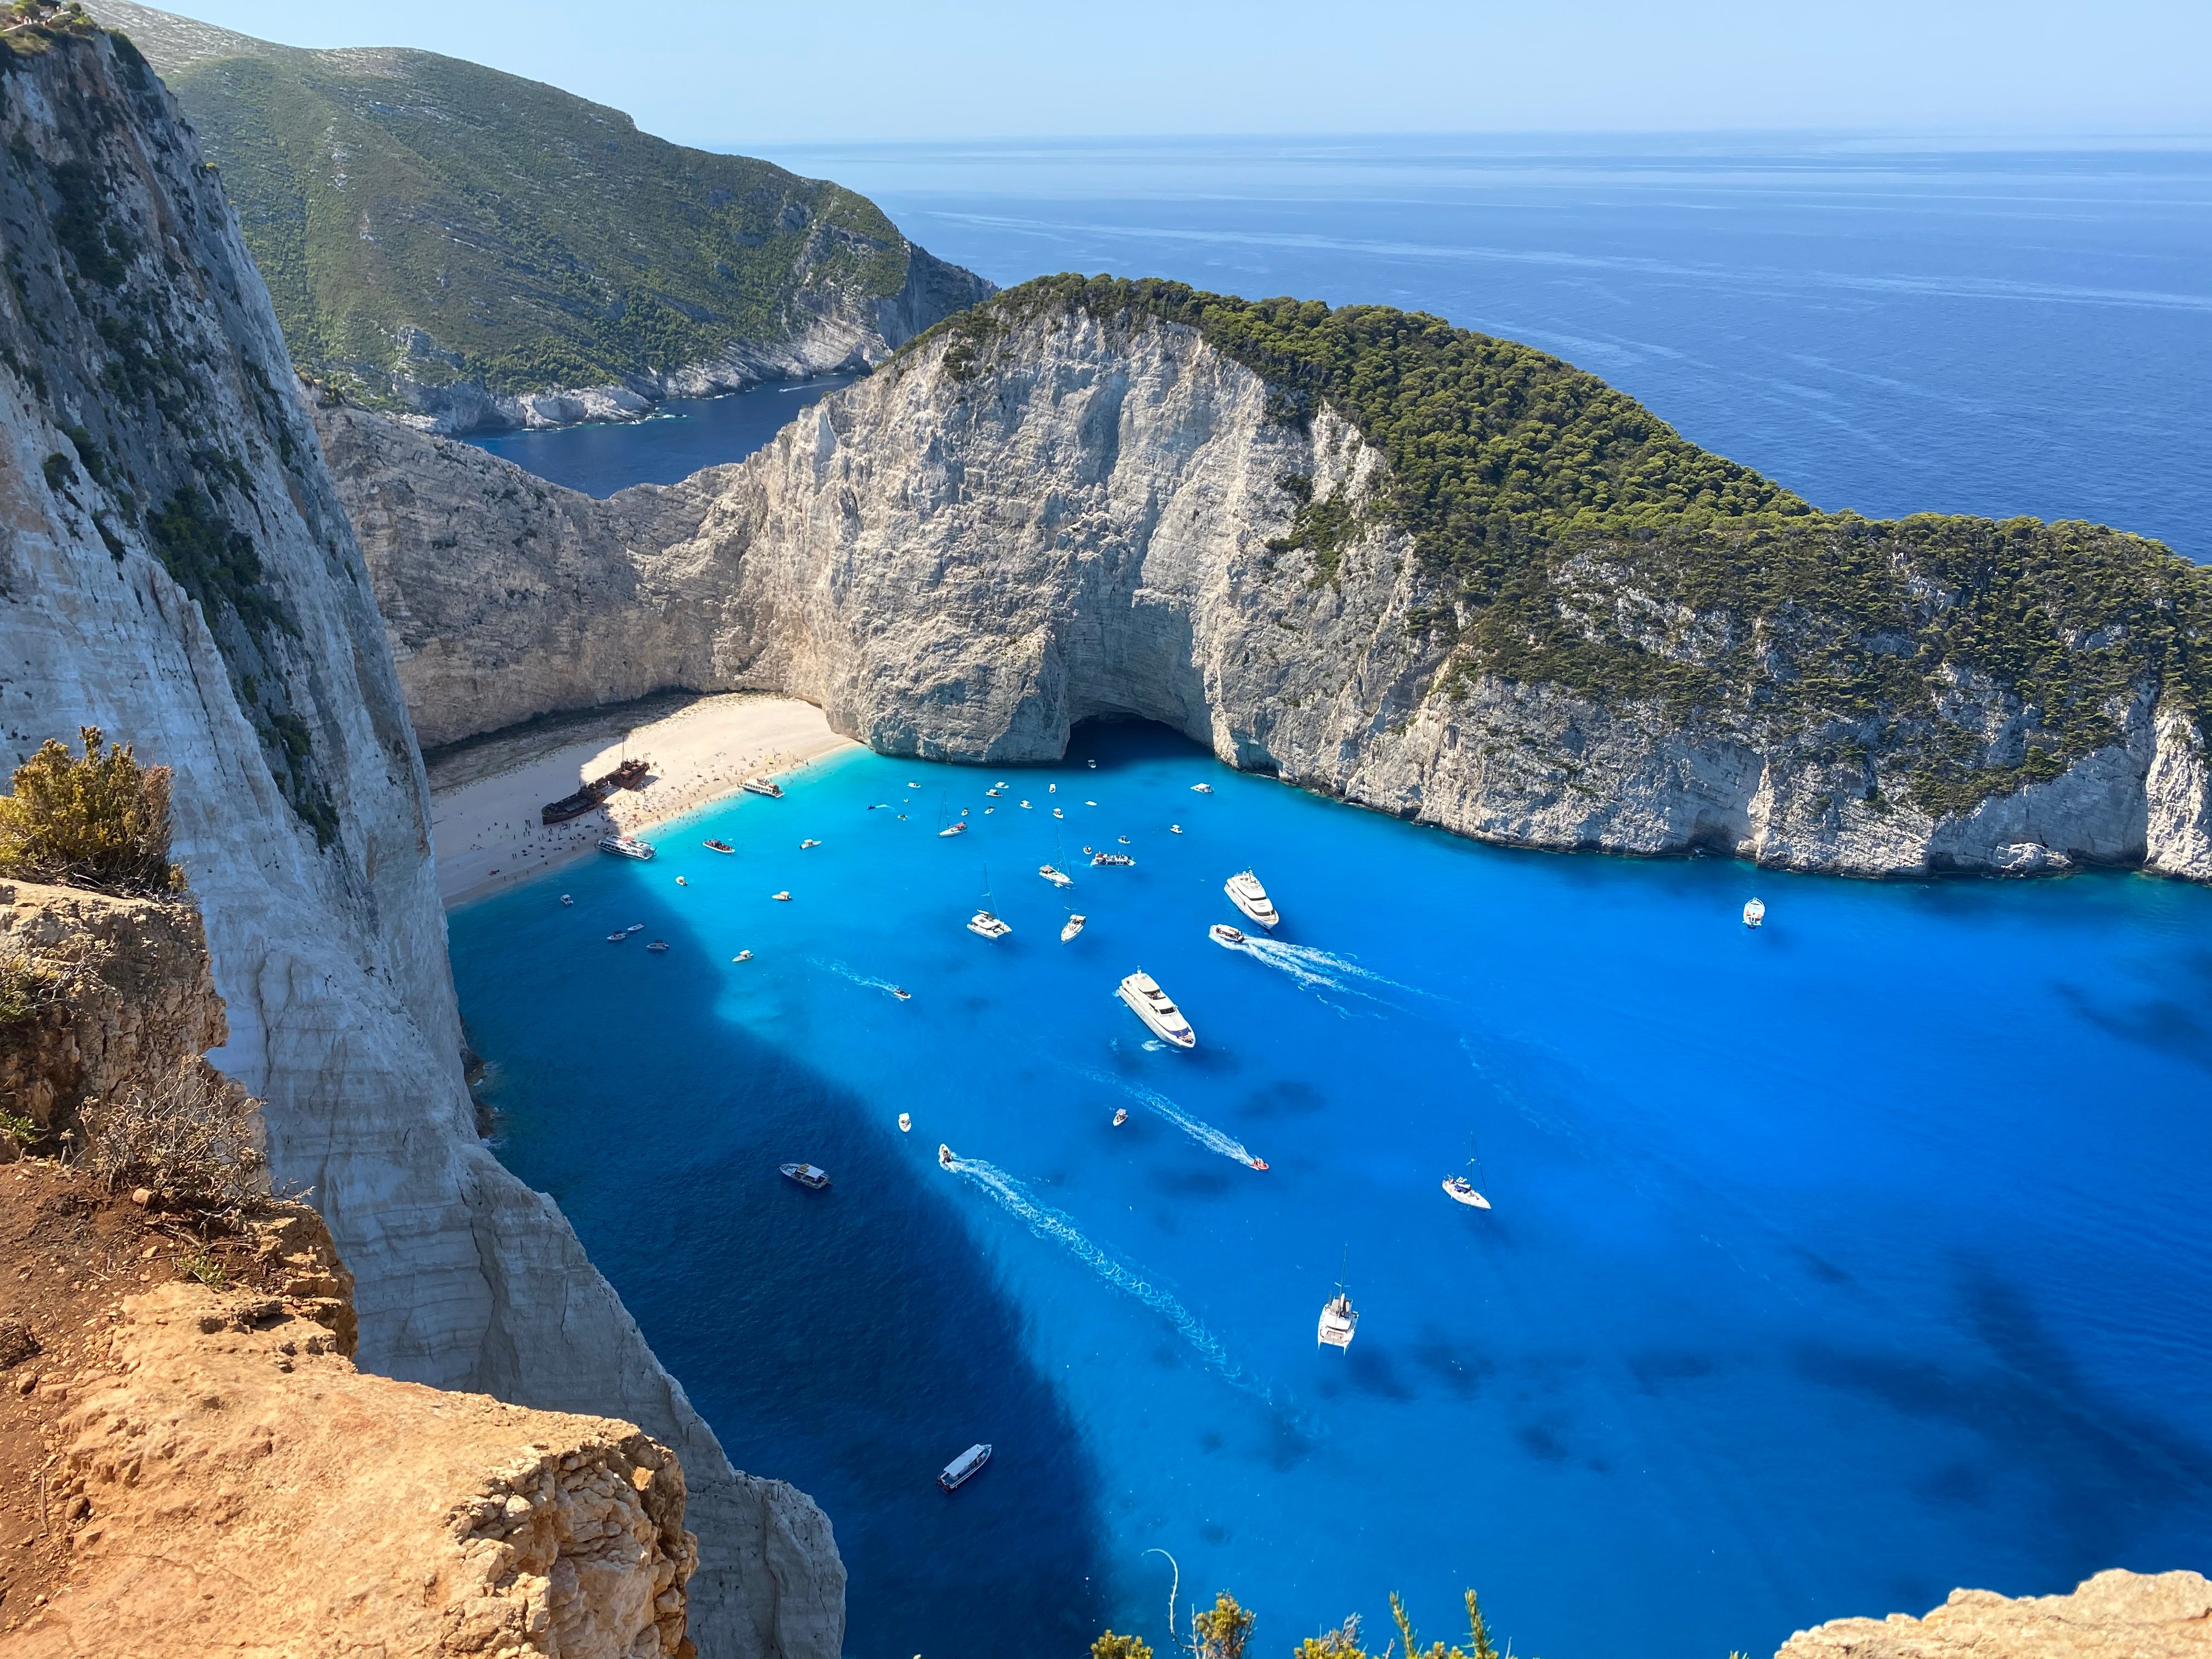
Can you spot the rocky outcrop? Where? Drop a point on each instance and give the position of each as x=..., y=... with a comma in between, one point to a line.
x=175, y=568
x=962, y=558
x=2115, y=1615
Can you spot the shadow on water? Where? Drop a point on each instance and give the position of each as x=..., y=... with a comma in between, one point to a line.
x=851, y=1341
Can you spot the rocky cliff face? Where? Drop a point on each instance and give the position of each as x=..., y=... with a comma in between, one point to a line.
x=975, y=548
x=2115, y=1615
x=176, y=568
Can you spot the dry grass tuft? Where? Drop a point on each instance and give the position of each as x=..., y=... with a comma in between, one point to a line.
x=193, y=1138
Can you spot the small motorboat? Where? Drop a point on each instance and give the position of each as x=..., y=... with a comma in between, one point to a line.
x=1057, y=813
x=1202, y=789
x=768, y=787
x=1074, y=926
x=906, y=1122
x=984, y=925
x=617, y=938
x=1051, y=789
x=1123, y=859
x=1755, y=913
x=780, y=898
x=717, y=847
x=1246, y=895
x=902, y=993
x=743, y=955
x=1124, y=840
x=1026, y=806
x=1222, y=933
x=1157, y=1008
x=658, y=946
x=1121, y=1115
x=1057, y=877
x=804, y=845
x=944, y=1156
x=962, y=1469
x=806, y=1176
x=680, y=882
x=911, y=784
x=626, y=847
x=988, y=810
x=1090, y=803
x=1094, y=766
x=1174, y=829
x=960, y=829
x=1259, y=1162
x=634, y=927
x=565, y=899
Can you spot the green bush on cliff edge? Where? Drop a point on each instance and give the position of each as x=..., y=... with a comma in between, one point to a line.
x=100, y=820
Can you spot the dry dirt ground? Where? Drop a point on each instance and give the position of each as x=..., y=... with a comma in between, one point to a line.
x=68, y=1253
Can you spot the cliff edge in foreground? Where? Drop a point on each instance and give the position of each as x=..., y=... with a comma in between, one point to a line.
x=175, y=568
x=1428, y=572
x=2115, y=1615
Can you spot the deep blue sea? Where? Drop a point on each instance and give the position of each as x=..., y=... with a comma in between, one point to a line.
x=1831, y=1266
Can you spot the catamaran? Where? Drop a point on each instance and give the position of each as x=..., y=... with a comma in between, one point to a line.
x=627, y=847
x=1157, y=1008
x=983, y=924
x=1246, y=895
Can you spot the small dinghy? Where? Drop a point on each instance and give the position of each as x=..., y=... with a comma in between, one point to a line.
x=717, y=847
x=658, y=946
x=962, y=1469
x=1121, y=1115
x=1755, y=913
x=1222, y=933
x=1074, y=926
x=806, y=1176
x=906, y=1122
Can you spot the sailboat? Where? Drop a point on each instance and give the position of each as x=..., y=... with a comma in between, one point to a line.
x=957, y=826
x=1460, y=1189
x=1052, y=872
x=1339, y=1318
x=983, y=924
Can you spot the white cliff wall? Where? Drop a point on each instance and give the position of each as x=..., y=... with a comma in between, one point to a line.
x=962, y=566
x=137, y=321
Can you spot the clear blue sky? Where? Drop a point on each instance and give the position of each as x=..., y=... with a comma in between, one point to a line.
x=724, y=74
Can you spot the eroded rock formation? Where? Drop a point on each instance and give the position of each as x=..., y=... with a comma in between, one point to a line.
x=2115, y=1615
x=965, y=554
x=175, y=568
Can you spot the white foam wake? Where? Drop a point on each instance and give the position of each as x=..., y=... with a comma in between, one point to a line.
x=1060, y=1228
x=1200, y=1131
x=830, y=965
x=1316, y=969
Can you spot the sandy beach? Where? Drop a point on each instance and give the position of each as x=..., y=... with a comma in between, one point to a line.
x=485, y=794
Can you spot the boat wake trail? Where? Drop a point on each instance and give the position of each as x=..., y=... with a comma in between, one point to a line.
x=1203, y=1132
x=830, y=965
x=1059, y=1228
x=1316, y=969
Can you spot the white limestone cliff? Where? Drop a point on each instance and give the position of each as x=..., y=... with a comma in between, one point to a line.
x=152, y=442
x=964, y=564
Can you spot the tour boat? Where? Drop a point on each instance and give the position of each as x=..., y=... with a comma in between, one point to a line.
x=1157, y=1008
x=1755, y=913
x=768, y=787
x=806, y=1176
x=565, y=899
x=1074, y=926
x=804, y=845
x=717, y=847
x=1246, y=895
x=944, y=1155
x=1339, y=1318
x=1202, y=789
x=658, y=945
x=1121, y=1115
x=627, y=847
x=963, y=1468
x=1222, y=933
x=780, y=898
x=906, y=1122
x=1055, y=876
x=1111, y=858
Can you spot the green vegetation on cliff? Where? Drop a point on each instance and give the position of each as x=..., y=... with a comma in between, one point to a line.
x=1535, y=496
x=418, y=214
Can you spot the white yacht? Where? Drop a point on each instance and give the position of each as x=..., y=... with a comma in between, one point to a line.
x=1755, y=913
x=1222, y=933
x=1246, y=895
x=906, y=1122
x=958, y=829
x=1461, y=1190
x=626, y=847
x=1057, y=877
x=984, y=925
x=768, y=787
x=1157, y=1008
x=1074, y=926
x=1339, y=1320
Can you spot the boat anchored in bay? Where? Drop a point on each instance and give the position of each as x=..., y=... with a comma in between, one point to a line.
x=1339, y=1318
x=1755, y=913
x=962, y=1469
x=1157, y=1008
x=1246, y=895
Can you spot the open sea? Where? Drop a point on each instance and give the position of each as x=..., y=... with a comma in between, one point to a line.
x=1831, y=1266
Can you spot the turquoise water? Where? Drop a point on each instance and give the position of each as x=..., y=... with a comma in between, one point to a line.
x=1831, y=1266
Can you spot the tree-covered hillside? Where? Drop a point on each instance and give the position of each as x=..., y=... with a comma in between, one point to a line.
x=419, y=215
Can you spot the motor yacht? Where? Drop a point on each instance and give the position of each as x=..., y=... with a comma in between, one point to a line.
x=626, y=847
x=1074, y=926
x=1222, y=933
x=1246, y=895
x=1157, y=1008
x=1057, y=877
x=806, y=1176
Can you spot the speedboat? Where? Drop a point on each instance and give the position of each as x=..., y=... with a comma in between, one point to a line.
x=902, y=993
x=1202, y=789
x=1461, y=1190
x=658, y=945
x=768, y=787
x=634, y=927
x=806, y=1176
x=617, y=938
x=780, y=898
x=743, y=955
x=1222, y=933
x=626, y=847
x=1026, y=806
x=984, y=925
x=1074, y=926
x=1124, y=840
x=944, y=1155
x=963, y=1468
x=960, y=829
x=565, y=899
x=1339, y=1320
x=717, y=847
x=804, y=845
x=1157, y=1008
x=906, y=1122
x=1057, y=879
x=1121, y=1115
x=1755, y=913
x=1246, y=895
x=1111, y=858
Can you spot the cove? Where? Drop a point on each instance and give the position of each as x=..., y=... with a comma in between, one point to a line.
x=1831, y=1266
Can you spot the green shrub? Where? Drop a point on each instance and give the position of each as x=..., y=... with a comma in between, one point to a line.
x=1110, y=1646
x=100, y=821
